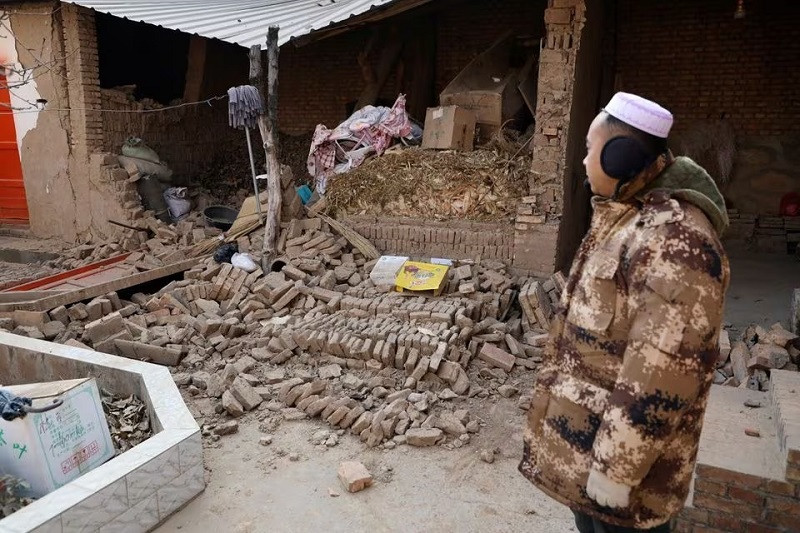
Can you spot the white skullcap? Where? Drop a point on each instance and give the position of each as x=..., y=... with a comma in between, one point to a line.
x=640, y=113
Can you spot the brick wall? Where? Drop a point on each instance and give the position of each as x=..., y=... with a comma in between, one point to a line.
x=735, y=502
x=467, y=29
x=428, y=238
x=80, y=38
x=700, y=62
x=319, y=79
x=187, y=138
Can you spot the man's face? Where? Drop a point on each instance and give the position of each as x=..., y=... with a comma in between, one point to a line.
x=600, y=182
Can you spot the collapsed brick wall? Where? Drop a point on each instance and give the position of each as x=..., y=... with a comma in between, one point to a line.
x=187, y=138
x=427, y=238
x=700, y=62
x=735, y=502
x=319, y=79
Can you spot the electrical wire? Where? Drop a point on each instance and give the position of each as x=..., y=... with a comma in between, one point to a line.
x=155, y=110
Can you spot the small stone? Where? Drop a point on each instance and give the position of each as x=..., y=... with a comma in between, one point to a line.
x=332, y=493
x=751, y=432
x=473, y=426
x=447, y=394
x=350, y=381
x=354, y=476
x=423, y=436
x=294, y=457
x=266, y=440
x=330, y=371
x=291, y=414
x=227, y=428
x=755, y=404
x=507, y=391
x=231, y=404
x=487, y=456
x=390, y=445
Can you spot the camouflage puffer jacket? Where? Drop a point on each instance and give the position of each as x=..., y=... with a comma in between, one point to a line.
x=626, y=376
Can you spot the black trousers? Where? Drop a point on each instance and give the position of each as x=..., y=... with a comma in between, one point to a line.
x=587, y=524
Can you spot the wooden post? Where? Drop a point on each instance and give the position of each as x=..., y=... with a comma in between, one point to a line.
x=269, y=132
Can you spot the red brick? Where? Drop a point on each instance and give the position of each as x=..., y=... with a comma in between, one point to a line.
x=716, y=503
x=785, y=505
x=726, y=522
x=710, y=487
x=706, y=529
x=722, y=475
x=786, y=520
x=761, y=528
x=746, y=495
x=695, y=515
x=780, y=488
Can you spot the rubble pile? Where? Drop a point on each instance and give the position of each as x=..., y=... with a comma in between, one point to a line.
x=155, y=244
x=316, y=338
x=748, y=362
x=127, y=420
x=483, y=185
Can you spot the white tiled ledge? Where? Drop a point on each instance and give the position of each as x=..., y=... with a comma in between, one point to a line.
x=136, y=490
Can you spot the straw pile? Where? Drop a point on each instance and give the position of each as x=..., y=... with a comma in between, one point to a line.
x=483, y=185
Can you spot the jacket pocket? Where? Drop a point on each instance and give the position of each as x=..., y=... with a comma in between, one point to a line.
x=594, y=303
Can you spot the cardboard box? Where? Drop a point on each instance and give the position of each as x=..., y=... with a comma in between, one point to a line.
x=50, y=449
x=385, y=270
x=422, y=279
x=488, y=86
x=449, y=128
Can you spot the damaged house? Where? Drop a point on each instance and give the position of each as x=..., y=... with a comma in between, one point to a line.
x=85, y=76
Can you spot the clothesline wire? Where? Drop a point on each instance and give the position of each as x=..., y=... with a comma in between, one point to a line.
x=155, y=110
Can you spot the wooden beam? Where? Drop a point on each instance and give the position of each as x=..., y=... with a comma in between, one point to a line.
x=275, y=198
x=195, y=69
x=51, y=302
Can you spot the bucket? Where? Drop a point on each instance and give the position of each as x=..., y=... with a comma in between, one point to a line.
x=220, y=216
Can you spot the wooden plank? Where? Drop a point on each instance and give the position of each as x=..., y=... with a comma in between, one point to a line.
x=50, y=281
x=51, y=302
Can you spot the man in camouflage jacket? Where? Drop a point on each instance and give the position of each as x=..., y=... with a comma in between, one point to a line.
x=618, y=404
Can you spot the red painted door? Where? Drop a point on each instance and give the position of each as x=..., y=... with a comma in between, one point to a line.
x=13, y=204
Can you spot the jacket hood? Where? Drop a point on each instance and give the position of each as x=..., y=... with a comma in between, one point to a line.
x=688, y=181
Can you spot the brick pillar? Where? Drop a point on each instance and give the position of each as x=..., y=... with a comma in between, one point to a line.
x=80, y=38
x=539, y=216
x=552, y=220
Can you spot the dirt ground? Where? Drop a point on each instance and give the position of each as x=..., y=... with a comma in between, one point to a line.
x=253, y=488
x=761, y=289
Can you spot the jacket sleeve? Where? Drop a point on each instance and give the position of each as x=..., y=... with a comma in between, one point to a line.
x=676, y=281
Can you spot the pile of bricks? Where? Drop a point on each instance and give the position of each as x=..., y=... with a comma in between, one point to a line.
x=539, y=300
x=155, y=245
x=316, y=338
x=747, y=363
x=777, y=234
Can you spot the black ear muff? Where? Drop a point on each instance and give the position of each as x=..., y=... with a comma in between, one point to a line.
x=623, y=158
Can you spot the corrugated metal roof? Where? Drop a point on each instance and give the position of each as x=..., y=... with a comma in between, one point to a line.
x=242, y=22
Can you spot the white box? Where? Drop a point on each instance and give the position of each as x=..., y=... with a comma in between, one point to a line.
x=385, y=270
x=50, y=449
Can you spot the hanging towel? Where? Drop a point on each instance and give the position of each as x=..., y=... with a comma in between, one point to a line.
x=244, y=106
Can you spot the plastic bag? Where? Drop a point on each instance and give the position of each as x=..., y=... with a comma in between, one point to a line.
x=224, y=253
x=177, y=202
x=135, y=147
x=12, y=407
x=245, y=262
